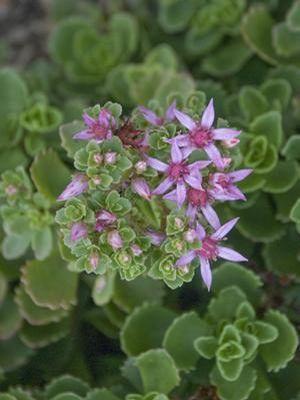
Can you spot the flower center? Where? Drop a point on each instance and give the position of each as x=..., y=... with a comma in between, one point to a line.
x=201, y=137
x=178, y=171
x=197, y=197
x=223, y=181
x=209, y=248
x=99, y=131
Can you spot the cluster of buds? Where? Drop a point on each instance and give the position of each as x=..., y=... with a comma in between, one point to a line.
x=139, y=203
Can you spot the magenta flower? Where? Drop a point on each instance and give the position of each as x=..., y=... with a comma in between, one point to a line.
x=223, y=187
x=154, y=119
x=104, y=218
x=97, y=129
x=211, y=250
x=78, y=185
x=78, y=231
x=179, y=173
x=198, y=200
x=202, y=134
x=141, y=187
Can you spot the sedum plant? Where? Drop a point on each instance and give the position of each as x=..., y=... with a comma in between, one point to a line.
x=142, y=199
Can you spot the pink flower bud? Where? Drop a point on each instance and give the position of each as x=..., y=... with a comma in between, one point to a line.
x=78, y=231
x=140, y=167
x=97, y=180
x=94, y=260
x=10, y=190
x=141, y=187
x=98, y=158
x=137, y=251
x=104, y=218
x=156, y=237
x=78, y=185
x=115, y=240
x=190, y=236
x=110, y=158
x=229, y=143
x=226, y=161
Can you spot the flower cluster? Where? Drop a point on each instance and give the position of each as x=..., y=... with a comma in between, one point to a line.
x=136, y=208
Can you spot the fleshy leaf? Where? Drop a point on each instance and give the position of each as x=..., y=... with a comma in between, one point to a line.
x=179, y=338
x=295, y=212
x=206, y=346
x=10, y=318
x=34, y=314
x=49, y=174
x=39, y=336
x=228, y=274
x=282, y=255
x=158, y=371
x=282, y=178
x=49, y=283
x=278, y=353
x=237, y=390
x=256, y=28
x=270, y=125
x=128, y=295
x=66, y=383
x=144, y=329
x=224, y=306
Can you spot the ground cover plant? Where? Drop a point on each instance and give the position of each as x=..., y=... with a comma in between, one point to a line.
x=149, y=200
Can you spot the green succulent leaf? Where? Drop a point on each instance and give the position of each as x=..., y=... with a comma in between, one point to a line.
x=179, y=338
x=225, y=305
x=228, y=274
x=50, y=174
x=240, y=389
x=67, y=384
x=145, y=328
x=158, y=371
x=49, y=283
x=206, y=346
x=279, y=352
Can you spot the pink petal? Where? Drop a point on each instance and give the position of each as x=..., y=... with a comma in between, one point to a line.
x=176, y=154
x=229, y=254
x=200, y=231
x=186, y=258
x=214, y=154
x=88, y=120
x=208, y=115
x=163, y=186
x=199, y=164
x=105, y=117
x=84, y=135
x=186, y=151
x=172, y=196
x=236, y=193
x=194, y=181
x=180, y=193
x=239, y=175
x=205, y=271
x=150, y=116
x=211, y=216
x=185, y=120
x=182, y=140
x=224, y=229
x=191, y=212
x=170, y=113
x=157, y=164
x=225, y=133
